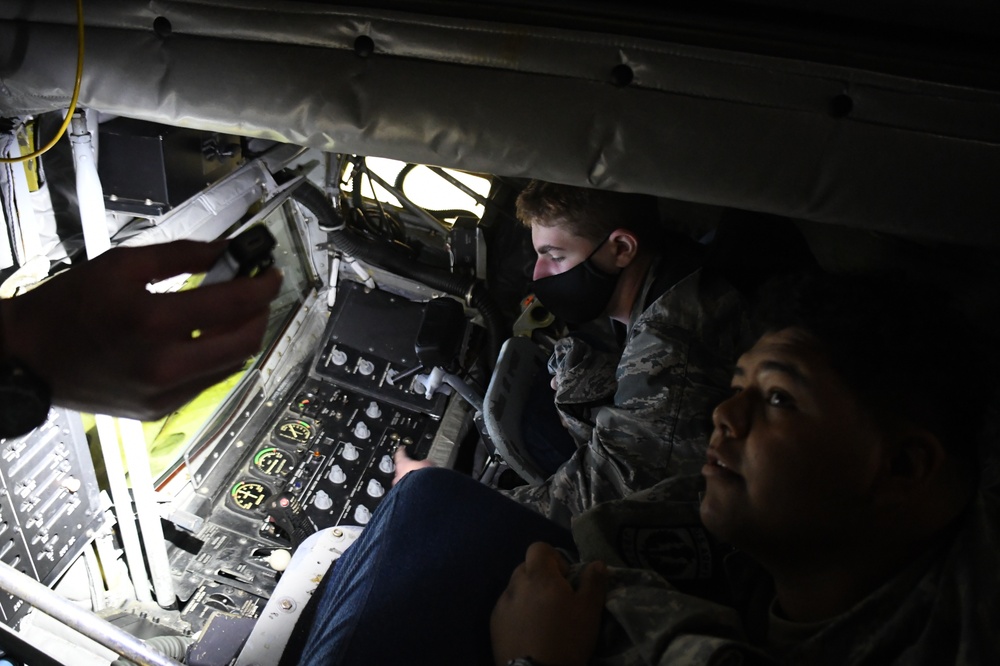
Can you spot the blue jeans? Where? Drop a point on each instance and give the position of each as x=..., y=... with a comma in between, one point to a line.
x=419, y=585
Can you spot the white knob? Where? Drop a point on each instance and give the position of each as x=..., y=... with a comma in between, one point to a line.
x=375, y=488
x=373, y=412
x=350, y=452
x=337, y=474
x=361, y=430
x=279, y=559
x=322, y=501
x=365, y=366
x=386, y=465
x=337, y=357
x=362, y=515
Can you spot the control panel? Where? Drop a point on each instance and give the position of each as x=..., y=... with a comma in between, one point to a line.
x=320, y=455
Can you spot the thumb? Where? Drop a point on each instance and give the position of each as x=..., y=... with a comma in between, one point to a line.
x=593, y=586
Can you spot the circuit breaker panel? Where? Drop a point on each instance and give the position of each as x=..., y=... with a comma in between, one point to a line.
x=49, y=502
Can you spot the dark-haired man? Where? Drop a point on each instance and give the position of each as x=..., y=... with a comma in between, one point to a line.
x=845, y=523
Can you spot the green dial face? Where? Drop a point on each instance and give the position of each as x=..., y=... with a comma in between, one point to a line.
x=249, y=495
x=273, y=461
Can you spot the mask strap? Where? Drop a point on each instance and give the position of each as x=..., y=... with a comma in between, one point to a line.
x=599, y=245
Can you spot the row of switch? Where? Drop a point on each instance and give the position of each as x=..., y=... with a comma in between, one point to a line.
x=338, y=357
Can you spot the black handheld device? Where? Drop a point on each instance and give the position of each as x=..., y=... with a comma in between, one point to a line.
x=248, y=254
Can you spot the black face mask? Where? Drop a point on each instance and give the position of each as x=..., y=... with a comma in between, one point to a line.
x=580, y=294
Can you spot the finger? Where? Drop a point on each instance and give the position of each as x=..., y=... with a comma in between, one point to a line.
x=215, y=306
x=209, y=354
x=157, y=262
x=593, y=586
x=178, y=397
x=543, y=559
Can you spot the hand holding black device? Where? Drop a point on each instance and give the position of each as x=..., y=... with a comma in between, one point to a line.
x=248, y=254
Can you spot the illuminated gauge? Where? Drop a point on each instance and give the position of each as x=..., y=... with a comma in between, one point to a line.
x=249, y=495
x=298, y=432
x=273, y=461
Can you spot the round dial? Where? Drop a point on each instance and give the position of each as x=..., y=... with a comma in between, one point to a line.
x=273, y=461
x=298, y=432
x=249, y=495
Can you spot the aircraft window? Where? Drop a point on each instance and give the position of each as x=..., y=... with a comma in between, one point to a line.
x=430, y=188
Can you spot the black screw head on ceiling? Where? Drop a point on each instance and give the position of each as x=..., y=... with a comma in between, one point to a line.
x=162, y=27
x=622, y=75
x=841, y=106
x=364, y=46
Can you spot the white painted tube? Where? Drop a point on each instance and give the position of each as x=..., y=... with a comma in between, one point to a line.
x=147, y=510
x=108, y=434
x=89, y=192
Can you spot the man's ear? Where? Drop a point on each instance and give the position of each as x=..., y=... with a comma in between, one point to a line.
x=625, y=245
x=913, y=459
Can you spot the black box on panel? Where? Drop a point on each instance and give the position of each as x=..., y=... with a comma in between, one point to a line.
x=147, y=168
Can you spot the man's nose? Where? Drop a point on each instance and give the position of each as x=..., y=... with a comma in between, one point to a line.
x=730, y=416
x=542, y=269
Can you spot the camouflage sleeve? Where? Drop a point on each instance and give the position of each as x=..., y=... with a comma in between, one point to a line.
x=650, y=543
x=674, y=370
x=585, y=380
x=647, y=621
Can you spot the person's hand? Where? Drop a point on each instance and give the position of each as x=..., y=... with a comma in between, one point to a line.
x=405, y=464
x=540, y=615
x=105, y=344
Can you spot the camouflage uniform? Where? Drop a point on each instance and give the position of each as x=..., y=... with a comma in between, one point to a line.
x=645, y=415
x=942, y=609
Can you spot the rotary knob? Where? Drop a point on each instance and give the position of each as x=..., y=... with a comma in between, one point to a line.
x=375, y=488
x=338, y=357
x=350, y=452
x=365, y=366
x=373, y=411
x=361, y=430
x=386, y=465
x=337, y=474
x=362, y=515
x=322, y=501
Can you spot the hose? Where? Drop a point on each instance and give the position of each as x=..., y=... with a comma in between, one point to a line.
x=174, y=647
x=469, y=289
